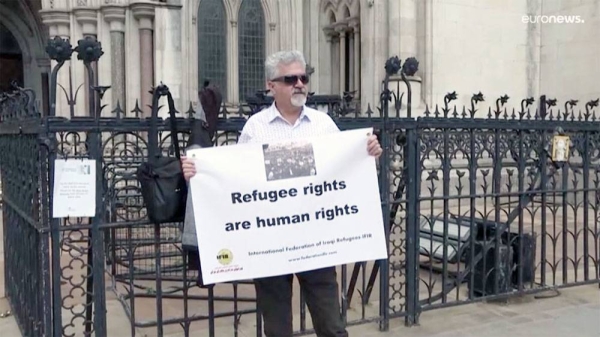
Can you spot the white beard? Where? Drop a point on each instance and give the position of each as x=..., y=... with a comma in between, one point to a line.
x=298, y=100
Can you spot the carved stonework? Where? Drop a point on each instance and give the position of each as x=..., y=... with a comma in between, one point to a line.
x=341, y=28
x=82, y=3
x=354, y=23
x=116, y=2
x=57, y=21
x=87, y=18
x=144, y=13
x=115, y=16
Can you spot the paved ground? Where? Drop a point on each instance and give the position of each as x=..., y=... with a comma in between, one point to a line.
x=576, y=312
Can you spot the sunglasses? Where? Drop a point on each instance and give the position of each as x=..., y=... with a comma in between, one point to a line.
x=291, y=79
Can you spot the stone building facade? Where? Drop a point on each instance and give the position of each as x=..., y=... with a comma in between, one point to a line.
x=520, y=48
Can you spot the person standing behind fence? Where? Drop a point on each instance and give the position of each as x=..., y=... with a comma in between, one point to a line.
x=287, y=118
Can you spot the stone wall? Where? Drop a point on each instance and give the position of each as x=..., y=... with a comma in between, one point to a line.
x=570, y=63
x=480, y=46
x=465, y=46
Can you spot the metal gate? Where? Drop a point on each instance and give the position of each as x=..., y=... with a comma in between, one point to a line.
x=476, y=207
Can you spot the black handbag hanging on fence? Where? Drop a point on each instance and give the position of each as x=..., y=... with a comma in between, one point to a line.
x=163, y=186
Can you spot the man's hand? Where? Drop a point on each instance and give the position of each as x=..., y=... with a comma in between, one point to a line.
x=188, y=167
x=373, y=146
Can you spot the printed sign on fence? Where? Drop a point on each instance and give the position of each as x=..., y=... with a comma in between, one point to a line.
x=289, y=206
x=74, y=193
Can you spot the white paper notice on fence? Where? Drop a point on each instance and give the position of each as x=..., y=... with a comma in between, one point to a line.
x=74, y=193
x=270, y=209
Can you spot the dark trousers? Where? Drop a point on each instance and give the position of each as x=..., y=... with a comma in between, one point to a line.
x=274, y=300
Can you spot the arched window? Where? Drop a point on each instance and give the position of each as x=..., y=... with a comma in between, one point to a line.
x=212, y=44
x=341, y=25
x=251, y=48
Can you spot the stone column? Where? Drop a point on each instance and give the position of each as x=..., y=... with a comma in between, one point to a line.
x=341, y=29
x=314, y=45
x=58, y=22
x=273, y=45
x=350, y=74
x=88, y=19
x=232, y=76
x=115, y=16
x=357, y=55
x=394, y=29
x=409, y=47
x=144, y=13
x=334, y=50
x=326, y=73
x=408, y=29
x=285, y=24
x=375, y=52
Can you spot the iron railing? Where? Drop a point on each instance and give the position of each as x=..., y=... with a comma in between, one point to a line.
x=478, y=206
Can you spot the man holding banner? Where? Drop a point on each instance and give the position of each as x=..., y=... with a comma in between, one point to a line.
x=255, y=198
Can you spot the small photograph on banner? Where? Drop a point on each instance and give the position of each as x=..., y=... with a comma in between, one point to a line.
x=288, y=206
x=289, y=160
x=74, y=193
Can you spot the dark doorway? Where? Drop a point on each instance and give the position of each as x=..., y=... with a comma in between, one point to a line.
x=11, y=60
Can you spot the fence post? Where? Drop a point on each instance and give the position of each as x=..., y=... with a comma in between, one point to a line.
x=392, y=66
x=412, y=177
x=45, y=152
x=90, y=50
x=60, y=50
x=384, y=296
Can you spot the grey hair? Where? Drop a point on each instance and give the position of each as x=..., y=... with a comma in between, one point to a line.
x=285, y=57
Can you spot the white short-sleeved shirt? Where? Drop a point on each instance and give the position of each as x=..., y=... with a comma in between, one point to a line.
x=269, y=125
x=265, y=126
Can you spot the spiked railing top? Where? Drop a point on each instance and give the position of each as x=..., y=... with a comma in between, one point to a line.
x=345, y=106
x=544, y=112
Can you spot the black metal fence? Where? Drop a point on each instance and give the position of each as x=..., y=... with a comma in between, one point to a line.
x=478, y=207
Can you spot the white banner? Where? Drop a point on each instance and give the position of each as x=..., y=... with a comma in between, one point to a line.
x=285, y=207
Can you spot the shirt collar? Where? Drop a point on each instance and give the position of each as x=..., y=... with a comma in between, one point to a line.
x=274, y=113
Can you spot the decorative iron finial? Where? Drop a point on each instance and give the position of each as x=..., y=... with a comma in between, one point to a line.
x=162, y=89
x=593, y=103
x=392, y=65
x=410, y=66
x=59, y=49
x=451, y=96
x=527, y=102
x=89, y=49
x=101, y=90
x=478, y=97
